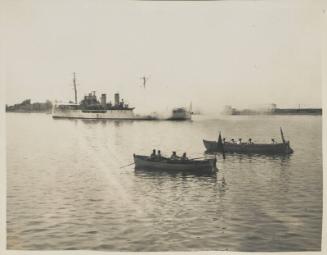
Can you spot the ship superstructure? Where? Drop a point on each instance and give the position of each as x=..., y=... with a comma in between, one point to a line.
x=91, y=108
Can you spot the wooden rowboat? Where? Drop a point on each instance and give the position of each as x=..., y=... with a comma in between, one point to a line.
x=166, y=164
x=255, y=148
x=277, y=148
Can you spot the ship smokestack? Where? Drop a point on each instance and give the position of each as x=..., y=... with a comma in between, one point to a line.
x=116, y=99
x=103, y=100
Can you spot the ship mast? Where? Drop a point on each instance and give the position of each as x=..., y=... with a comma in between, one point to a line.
x=75, y=89
x=145, y=79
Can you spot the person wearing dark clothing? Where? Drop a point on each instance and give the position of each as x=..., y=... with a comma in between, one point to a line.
x=174, y=155
x=153, y=155
x=159, y=155
x=184, y=156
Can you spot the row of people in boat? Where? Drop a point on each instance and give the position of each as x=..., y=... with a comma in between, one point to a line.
x=248, y=142
x=157, y=156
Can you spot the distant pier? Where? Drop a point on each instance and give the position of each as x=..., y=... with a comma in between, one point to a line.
x=273, y=110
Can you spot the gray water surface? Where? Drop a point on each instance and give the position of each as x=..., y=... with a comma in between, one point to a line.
x=66, y=190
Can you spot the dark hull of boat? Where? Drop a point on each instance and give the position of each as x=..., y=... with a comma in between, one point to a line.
x=278, y=148
x=145, y=163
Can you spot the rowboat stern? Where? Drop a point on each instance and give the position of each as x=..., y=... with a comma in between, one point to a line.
x=209, y=145
x=288, y=149
x=214, y=165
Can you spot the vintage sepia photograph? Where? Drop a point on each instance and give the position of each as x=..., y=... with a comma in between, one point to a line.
x=162, y=126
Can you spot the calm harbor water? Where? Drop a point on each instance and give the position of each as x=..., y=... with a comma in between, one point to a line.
x=66, y=190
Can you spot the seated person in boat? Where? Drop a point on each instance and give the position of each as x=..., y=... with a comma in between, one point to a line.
x=250, y=141
x=224, y=140
x=232, y=140
x=159, y=157
x=273, y=140
x=184, y=156
x=239, y=141
x=174, y=155
x=153, y=154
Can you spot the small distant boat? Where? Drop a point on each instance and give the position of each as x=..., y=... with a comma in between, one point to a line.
x=166, y=164
x=255, y=148
x=181, y=114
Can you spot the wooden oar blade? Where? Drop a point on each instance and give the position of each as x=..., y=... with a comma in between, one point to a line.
x=127, y=165
x=220, y=145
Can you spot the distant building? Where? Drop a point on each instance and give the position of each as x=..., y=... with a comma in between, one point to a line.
x=27, y=106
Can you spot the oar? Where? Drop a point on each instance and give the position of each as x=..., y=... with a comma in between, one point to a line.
x=220, y=145
x=196, y=158
x=127, y=165
x=282, y=135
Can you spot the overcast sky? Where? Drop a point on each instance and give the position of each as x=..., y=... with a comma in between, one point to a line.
x=210, y=53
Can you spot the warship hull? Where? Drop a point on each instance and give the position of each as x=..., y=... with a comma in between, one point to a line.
x=99, y=114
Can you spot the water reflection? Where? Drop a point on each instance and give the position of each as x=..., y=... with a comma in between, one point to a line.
x=283, y=160
x=104, y=122
x=183, y=175
x=267, y=203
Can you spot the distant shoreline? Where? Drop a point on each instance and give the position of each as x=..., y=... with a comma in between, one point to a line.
x=273, y=111
x=27, y=107
x=46, y=112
